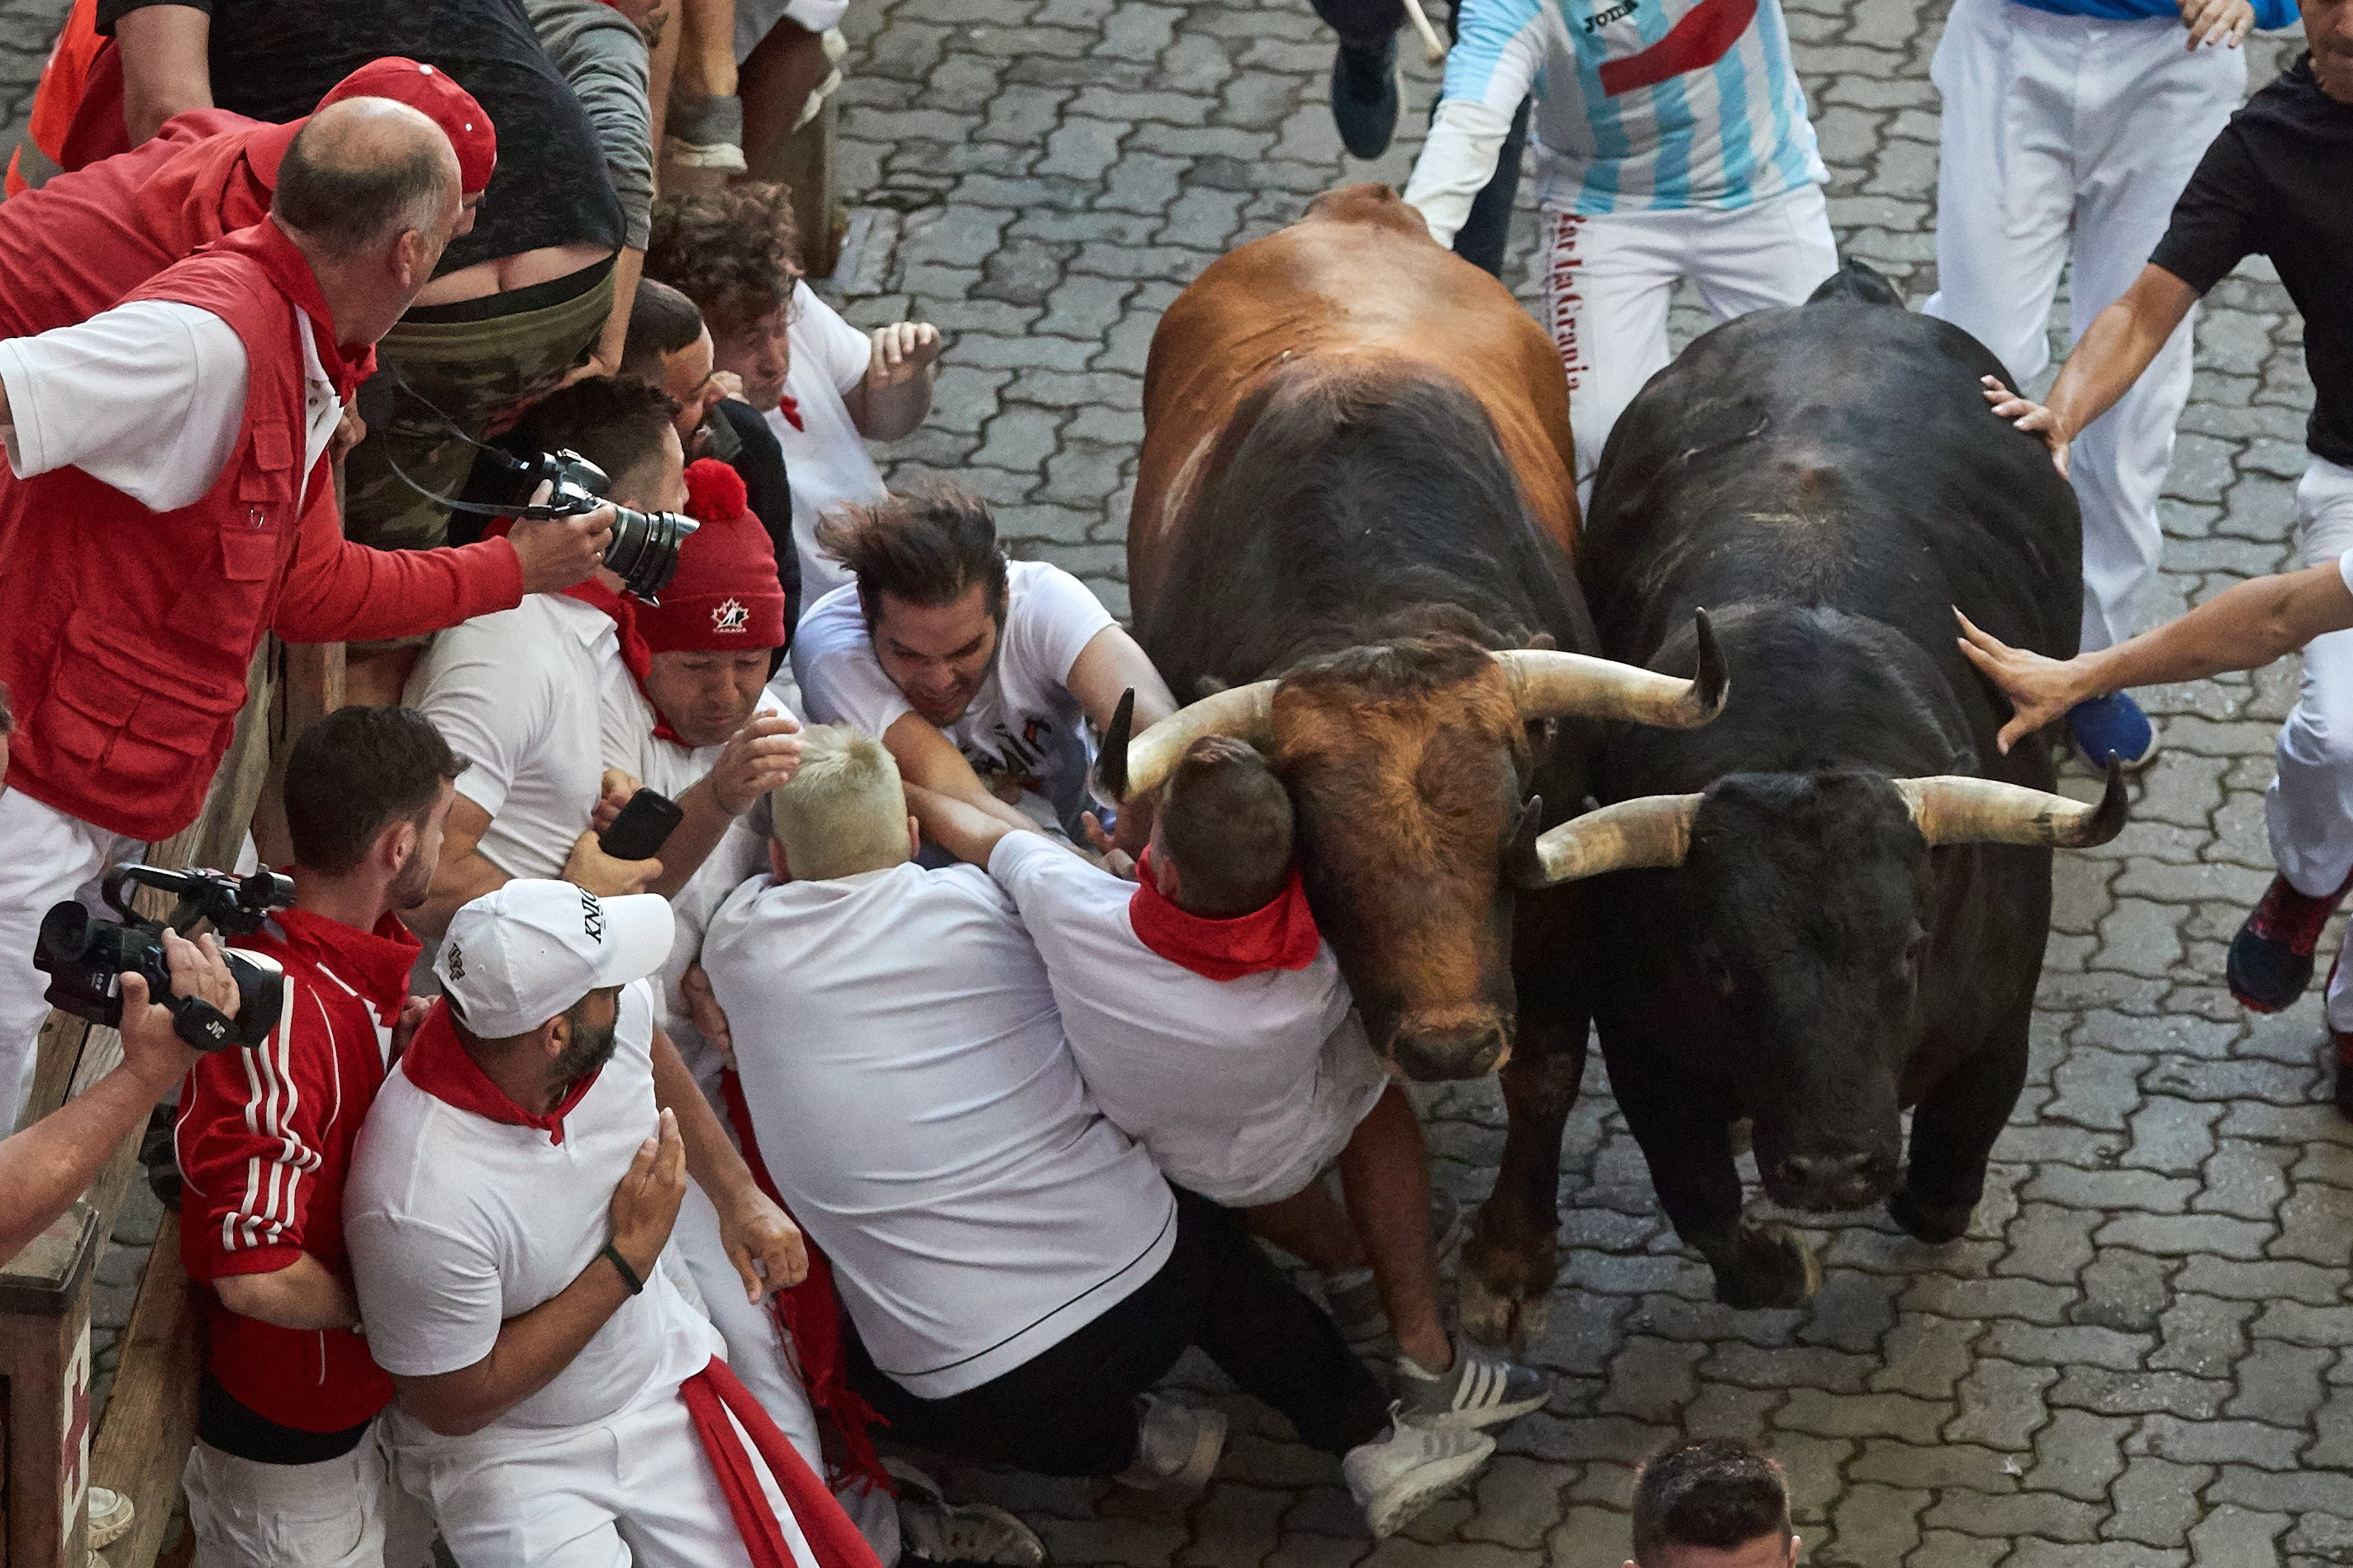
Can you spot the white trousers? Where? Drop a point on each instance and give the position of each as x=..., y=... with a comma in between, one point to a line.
x=635, y=1488
x=46, y=857
x=2309, y=808
x=1608, y=278
x=338, y=1513
x=2067, y=140
x=756, y=1353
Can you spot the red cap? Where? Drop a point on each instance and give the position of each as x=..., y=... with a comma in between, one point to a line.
x=438, y=96
x=725, y=597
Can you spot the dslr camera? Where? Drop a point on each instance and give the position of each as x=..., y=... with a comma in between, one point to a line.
x=644, y=551
x=84, y=955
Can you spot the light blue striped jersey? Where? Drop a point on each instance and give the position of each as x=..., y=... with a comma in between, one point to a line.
x=1643, y=104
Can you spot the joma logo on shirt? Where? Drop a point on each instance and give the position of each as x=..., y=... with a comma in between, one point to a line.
x=1602, y=18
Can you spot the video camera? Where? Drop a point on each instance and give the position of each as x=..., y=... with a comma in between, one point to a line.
x=644, y=551
x=85, y=955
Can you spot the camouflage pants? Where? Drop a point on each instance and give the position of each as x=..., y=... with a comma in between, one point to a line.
x=471, y=372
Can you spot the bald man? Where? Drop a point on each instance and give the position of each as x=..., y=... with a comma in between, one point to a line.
x=169, y=500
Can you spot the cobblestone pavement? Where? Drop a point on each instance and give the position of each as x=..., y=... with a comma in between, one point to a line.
x=2133, y=1359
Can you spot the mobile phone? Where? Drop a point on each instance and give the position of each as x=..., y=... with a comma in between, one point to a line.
x=642, y=827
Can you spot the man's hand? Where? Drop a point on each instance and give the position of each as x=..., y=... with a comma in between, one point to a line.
x=762, y=1243
x=613, y=792
x=411, y=1019
x=2224, y=22
x=558, y=553
x=761, y=756
x=600, y=874
x=645, y=1205
x=709, y=1020
x=1108, y=853
x=2040, y=689
x=152, y=1049
x=2030, y=417
x=349, y=431
x=728, y=384
x=902, y=352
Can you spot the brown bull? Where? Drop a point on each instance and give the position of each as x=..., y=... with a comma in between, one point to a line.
x=1352, y=532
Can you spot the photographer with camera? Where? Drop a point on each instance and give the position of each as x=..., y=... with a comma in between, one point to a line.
x=172, y=500
x=287, y=1464
x=525, y=694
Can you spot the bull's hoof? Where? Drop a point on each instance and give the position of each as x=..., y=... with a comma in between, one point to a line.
x=1502, y=1321
x=1772, y=1267
x=1928, y=1222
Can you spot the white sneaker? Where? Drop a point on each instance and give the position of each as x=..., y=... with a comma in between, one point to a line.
x=111, y=1516
x=1176, y=1447
x=1407, y=1469
x=1481, y=1389
x=942, y=1531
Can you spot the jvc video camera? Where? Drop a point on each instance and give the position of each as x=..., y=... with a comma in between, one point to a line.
x=644, y=551
x=85, y=955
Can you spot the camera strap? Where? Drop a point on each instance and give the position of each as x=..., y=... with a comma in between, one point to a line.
x=512, y=464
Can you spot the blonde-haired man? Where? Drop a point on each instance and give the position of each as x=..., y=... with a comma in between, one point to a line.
x=1017, y=1273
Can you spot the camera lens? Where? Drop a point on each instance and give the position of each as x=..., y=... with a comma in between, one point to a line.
x=644, y=551
x=65, y=933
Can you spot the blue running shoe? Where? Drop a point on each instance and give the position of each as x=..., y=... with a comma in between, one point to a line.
x=1367, y=93
x=2113, y=727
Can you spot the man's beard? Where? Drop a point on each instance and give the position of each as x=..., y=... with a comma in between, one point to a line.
x=413, y=883
x=590, y=1049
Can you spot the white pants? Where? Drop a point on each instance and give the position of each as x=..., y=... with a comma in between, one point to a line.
x=757, y=1354
x=338, y=1513
x=2309, y=808
x=635, y=1488
x=2069, y=138
x=46, y=857
x=1608, y=278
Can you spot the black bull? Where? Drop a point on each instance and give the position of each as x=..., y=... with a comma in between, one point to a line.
x=1827, y=479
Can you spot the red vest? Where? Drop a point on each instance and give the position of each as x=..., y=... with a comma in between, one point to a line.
x=125, y=634
x=79, y=244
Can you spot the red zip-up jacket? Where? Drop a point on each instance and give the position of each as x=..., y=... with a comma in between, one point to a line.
x=265, y=1139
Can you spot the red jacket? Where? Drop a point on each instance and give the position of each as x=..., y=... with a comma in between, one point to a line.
x=265, y=1139
x=125, y=634
x=79, y=244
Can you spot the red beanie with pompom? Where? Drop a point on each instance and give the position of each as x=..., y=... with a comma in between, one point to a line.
x=725, y=597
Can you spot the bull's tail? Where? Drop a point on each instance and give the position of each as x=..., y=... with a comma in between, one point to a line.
x=1859, y=281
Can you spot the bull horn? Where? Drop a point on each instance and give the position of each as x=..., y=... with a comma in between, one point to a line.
x=1547, y=685
x=1130, y=768
x=1956, y=808
x=1651, y=830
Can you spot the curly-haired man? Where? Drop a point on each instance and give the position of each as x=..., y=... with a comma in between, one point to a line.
x=827, y=388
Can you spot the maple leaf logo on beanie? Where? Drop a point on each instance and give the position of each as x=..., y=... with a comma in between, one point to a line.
x=726, y=596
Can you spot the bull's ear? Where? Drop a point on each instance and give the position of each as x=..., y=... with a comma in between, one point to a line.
x=1111, y=762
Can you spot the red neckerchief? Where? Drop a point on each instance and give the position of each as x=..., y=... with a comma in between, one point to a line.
x=1283, y=935
x=436, y=1063
x=379, y=961
x=810, y=1314
x=635, y=655
x=715, y=1395
x=790, y=407
x=346, y=365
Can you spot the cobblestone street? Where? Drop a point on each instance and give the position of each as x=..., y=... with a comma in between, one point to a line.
x=2137, y=1357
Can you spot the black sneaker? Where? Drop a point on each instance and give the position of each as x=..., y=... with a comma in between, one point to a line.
x=2271, y=958
x=1366, y=91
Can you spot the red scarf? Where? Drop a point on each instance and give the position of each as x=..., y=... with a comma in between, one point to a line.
x=346, y=364
x=436, y=1062
x=790, y=407
x=1283, y=935
x=713, y=1395
x=811, y=1314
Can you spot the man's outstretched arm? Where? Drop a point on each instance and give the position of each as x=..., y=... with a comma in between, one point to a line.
x=2122, y=341
x=2243, y=627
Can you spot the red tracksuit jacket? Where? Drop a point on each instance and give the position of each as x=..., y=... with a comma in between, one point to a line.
x=265, y=1139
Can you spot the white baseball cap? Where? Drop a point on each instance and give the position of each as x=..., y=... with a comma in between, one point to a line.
x=518, y=957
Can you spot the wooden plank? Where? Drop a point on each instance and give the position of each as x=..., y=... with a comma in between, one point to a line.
x=806, y=163
x=44, y=1348
x=151, y=1416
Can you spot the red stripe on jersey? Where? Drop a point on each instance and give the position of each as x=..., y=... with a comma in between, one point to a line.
x=1706, y=32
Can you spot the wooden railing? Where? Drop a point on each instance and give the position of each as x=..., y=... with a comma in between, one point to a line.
x=139, y=1447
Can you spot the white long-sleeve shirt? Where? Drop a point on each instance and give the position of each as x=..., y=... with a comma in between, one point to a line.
x=1641, y=105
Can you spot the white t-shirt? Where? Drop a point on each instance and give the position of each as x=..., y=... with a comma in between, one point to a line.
x=148, y=397
x=919, y=1109
x=1023, y=722
x=741, y=853
x=827, y=457
x=521, y=695
x=458, y=1223
x=1241, y=1090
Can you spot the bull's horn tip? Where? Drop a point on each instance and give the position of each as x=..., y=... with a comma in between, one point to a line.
x=1709, y=683
x=2108, y=819
x=1110, y=766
